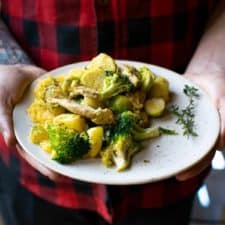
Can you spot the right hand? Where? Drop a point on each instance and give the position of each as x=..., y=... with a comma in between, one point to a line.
x=14, y=79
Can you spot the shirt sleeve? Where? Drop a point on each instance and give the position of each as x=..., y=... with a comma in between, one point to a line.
x=10, y=51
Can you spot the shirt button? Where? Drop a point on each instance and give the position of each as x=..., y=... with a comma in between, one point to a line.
x=102, y=2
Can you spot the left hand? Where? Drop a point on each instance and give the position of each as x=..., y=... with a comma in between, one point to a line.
x=14, y=79
x=213, y=84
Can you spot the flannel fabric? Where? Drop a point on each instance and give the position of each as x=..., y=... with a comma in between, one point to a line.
x=59, y=32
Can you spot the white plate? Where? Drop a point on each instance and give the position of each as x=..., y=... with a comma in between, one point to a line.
x=162, y=157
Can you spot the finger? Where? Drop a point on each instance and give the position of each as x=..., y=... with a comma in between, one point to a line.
x=6, y=124
x=34, y=71
x=42, y=169
x=197, y=169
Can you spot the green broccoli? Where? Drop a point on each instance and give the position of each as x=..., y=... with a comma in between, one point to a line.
x=115, y=84
x=120, y=151
x=125, y=141
x=125, y=148
x=127, y=124
x=147, y=78
x=122, y=146
x=131, y=73
x=67, y=145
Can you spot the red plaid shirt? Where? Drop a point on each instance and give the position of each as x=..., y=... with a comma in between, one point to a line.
x=59, y=32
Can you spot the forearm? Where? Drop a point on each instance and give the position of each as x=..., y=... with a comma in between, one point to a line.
x=10, y=52
x=210, y=54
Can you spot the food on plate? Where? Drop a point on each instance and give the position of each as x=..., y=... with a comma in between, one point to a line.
x=103, y=110
x=155, y=106
x=160, y=88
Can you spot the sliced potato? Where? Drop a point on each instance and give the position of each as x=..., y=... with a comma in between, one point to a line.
x=76, y=73
x=103, y=61
x=72, y=121
x=155, y=106
x=160, y=88
x=60, y=78
x=147, y=78
x=96, y=136
x=93, y=78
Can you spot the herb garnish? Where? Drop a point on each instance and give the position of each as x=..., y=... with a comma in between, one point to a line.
x=185, y=116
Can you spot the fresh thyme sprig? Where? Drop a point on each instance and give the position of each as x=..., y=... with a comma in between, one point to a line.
x=190, y=91
x=185, y=116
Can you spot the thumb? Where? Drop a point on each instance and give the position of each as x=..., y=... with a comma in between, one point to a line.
x=6, y=124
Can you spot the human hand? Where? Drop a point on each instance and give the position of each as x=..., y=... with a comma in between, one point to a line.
x=14, y=79
x=213, y=84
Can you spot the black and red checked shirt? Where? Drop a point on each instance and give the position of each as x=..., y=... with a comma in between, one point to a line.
x=59, y=32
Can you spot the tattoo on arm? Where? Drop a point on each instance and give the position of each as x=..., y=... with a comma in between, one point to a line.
x=10, y=51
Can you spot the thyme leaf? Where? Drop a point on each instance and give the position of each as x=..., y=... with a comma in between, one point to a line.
x=185, y=116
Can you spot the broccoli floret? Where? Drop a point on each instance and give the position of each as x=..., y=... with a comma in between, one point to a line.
x=147, y=78
x=67, y=144
x=114, y=85
x=120, y=152
x=125, y=141
x=132, y=74
x=124, y=149
x=127, y=124
x=122, y=146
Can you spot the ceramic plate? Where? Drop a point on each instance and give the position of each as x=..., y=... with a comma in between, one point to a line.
x=161, y=157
